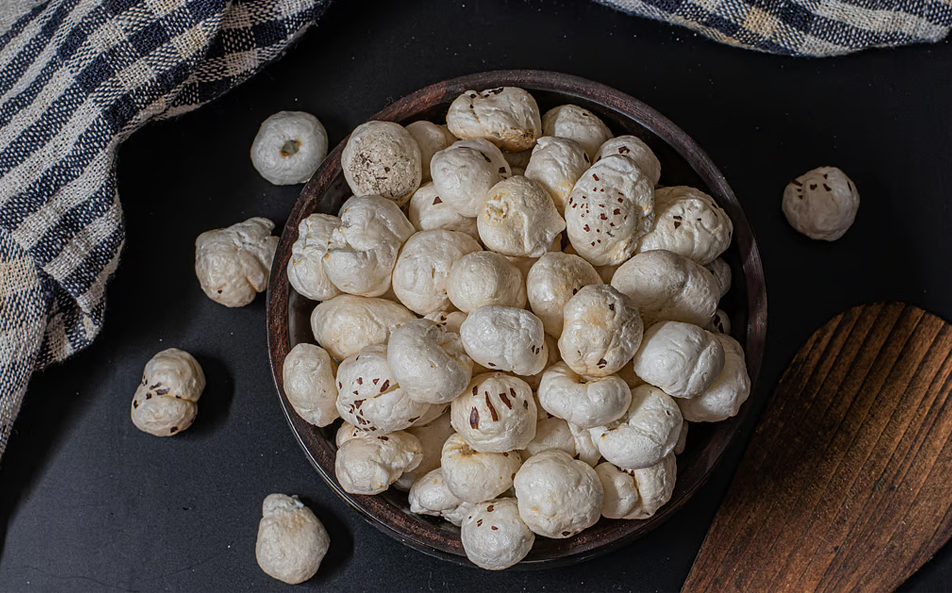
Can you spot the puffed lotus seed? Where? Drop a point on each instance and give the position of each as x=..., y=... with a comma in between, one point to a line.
x=369, y=464
x=362, y=252
x=485, y=278
x=428, y=212
x=496, y=413
x=822, y=203
x=472, y=476
x=518, y=218
x=465, y=171
x=601, y=331
x=634, y=148
x=347, y=323
x=381, y=158
x=233, y=264
x=289, y=147
x=558, y=496
x=690, y=223
x=576, y=123
x=506, y=116
x=291, y=541
x=494, y=536
x=556, y=164
x=306, y=265
x=309, y=384
x=165, y=403
x=610, y=208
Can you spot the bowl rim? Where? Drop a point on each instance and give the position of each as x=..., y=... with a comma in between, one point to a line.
x=610, y=100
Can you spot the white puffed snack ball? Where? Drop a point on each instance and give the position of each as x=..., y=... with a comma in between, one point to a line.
x=428, y=212
x=822, y=203
x=601, y=330
x=451, y=320
x=473, y=476
x=552, y=281
x=347, y=323
x=611, y=207
x=369, y=464
x=430, y=496
x=575, y=123
x=551, y=433
x=310, y=384
x=361, y=252
x=428, y=361
x=381, y=158
x=165, y=403
x=647, y=432
x=723, y=399
x=556, y=164
x=680, y=358
x=370, y=397
x=496, y=413
x=289, y=147
x=423, y=267
x=465, y=171
x=637, y=494
x=586, y=403
x=306, y=264
x=494, y=536
x=505, y=339
x=432, y=436
x=690, y=223
x=506, y=116
x=634, y=148
x=722, y=273
x=518, y=218
x=233, y=264
x=431, y=139
x=485, y=278
x=558, y=496
x=291, y=542
x=667, y=286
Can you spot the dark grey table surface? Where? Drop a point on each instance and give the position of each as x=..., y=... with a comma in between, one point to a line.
x=89, y=503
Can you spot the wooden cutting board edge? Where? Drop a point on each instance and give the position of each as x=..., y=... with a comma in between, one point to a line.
x=867, y=350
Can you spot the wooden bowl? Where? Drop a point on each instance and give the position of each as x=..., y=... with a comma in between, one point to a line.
x=683, y=163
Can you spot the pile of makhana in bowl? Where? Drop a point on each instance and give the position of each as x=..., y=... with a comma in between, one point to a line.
x=516, y=323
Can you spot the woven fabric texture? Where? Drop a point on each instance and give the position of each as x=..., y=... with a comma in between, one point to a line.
x=76, y=78
x=809, y=28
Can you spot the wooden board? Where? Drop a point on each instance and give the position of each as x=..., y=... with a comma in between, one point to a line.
x=847, y=482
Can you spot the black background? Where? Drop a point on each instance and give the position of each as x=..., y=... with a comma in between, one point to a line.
x=89, y=503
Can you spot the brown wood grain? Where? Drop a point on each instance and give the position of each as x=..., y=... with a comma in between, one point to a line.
x=845, y=485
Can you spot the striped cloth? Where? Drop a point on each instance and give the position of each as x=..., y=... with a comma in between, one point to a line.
x=76, y=78
x=813, y=28
x=79, y=76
